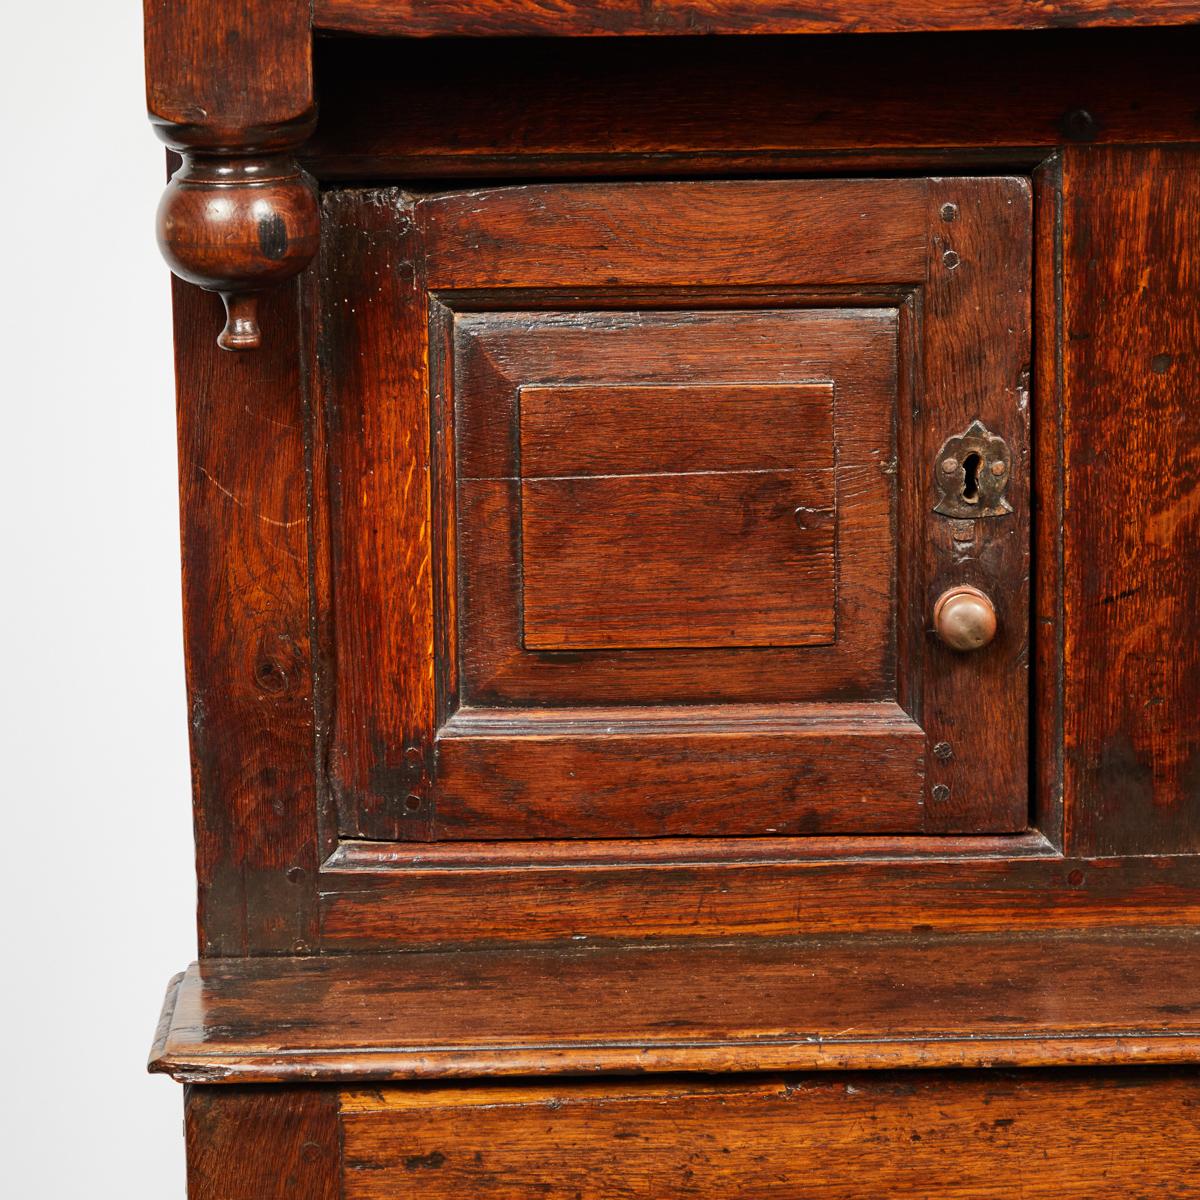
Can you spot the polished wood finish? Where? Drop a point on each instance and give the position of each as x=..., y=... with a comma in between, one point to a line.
x=376, y=895
x=238, y=226
x=247, y=637
x=375, y=443
x=694, y=335
x=539, y=746
x=689, y=516
x=695, y=771
x=893, y=280
x=379, y=896
x=230, y=88
x=1132, y=548
x=962, y=1135
x=811, y=1004
x=592, y=18
x=262, y=1144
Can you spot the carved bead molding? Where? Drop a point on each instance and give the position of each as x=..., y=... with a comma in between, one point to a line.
x=229, y=87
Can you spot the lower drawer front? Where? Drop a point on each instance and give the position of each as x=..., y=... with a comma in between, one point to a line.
x=1128, y=1134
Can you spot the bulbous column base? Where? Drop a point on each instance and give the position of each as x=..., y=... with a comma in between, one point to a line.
x=237, y=225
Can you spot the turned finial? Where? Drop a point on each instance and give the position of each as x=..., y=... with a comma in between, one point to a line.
x=238, y=224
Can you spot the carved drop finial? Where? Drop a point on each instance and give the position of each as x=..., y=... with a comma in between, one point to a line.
x=238, y=224
x=241, y=330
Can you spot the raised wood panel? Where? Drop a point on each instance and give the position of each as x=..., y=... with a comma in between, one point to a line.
x=960, y=1136
x=498, y=355
x=1131, y=227
x=789, y=585
x=686, y=516
x=643, y=587
x=629, y=429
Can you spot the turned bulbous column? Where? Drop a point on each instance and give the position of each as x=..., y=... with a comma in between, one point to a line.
x=237, y=224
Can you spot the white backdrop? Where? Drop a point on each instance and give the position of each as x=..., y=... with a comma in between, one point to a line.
x=98, y=897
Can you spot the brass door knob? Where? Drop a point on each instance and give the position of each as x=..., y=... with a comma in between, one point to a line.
x=964, y=618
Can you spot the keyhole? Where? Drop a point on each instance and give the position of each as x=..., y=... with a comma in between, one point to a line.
x=970, y=491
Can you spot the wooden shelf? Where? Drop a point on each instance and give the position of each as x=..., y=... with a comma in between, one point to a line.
x=597, y=18
x=848, y=1003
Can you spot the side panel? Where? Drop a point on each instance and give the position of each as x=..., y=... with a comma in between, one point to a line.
x=1132, y=496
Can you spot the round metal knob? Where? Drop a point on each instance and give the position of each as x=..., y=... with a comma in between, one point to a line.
x=964, y=618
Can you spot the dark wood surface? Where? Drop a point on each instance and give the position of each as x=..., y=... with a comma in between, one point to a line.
x=864, y=284
x=398, y=513
x=703, y=234
x=687, y=516
x=962, y=1135
x=745, y=1005
x=643, y=108
x=263, y=1144
x=371, y=482
x=262, y=759
x=247, y=638
x=694, y=771
x=223, y=76
x=1131, y=480
x=381, y=895
x=584, y=18
x=691, y=335
x=231, y=89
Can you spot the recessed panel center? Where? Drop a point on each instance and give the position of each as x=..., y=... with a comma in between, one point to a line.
x=660, y=516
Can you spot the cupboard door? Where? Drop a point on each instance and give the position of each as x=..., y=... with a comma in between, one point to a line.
x=683, y=509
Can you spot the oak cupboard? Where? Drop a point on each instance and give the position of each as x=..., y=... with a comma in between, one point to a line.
x=691, y=562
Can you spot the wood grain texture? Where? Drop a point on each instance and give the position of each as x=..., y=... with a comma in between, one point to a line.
x=976, y=363
x=963, y=1135
x=718, y=234
x=653, y=107
x=553, y=570
x=246, y=627
x=688, y=559
x=592, y=18
x=378, y=896
x=252, y=1143
x=1046, y=635
x=678, y=516
x=497, y=354
x=1132, y=500
x=675, y=428
x=810, y=1004
x=695, y=772
x=376, y=415
x=229, y=76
